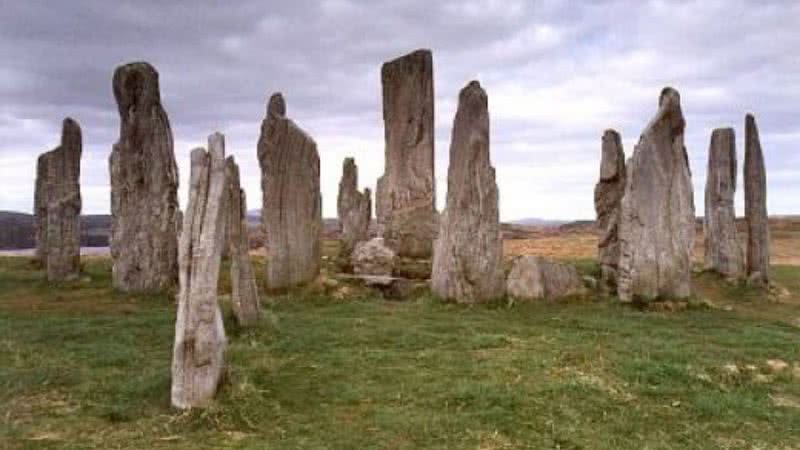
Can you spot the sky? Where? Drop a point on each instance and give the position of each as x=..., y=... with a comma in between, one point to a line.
x=557, y=74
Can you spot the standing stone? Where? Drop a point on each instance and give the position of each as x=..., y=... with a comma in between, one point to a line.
x=608, y=194
x=406, y=195
x=354, y=209
x=755, y=205
x=292, y=202
x=468, y=253
x=144, y=185
x=57, y=205
x=658, y=224
x=40, y=208
x=536, y=278
x=722, y=251
x=198, y=354
x=244, y=291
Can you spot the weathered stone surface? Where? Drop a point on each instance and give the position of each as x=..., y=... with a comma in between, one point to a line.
x=292, y=202
x=198, y=354
x=608, y=194
x=406, y=194
x=57, y=205
x=373, y=257
x=722, y=251
x=658, y=223
x=354, y=209
x=535, y=278
x=468, y=253
x=244, y=290
x=755, y=205
x=144, y=185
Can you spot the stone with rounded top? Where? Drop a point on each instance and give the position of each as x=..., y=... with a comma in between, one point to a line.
x=468, y=252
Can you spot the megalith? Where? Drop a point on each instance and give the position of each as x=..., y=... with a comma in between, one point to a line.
x=406, y=194
x=468, y=252
x=198, y=354
x=658, y=223
x=755, y=205
x=536, y=278
x=244, y=290
x=57, y=205
x=354, y=209
x=608, y=194
x=723, y=254
x=292, y=202
x=144, y=185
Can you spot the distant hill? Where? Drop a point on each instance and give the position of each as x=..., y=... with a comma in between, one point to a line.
x=537, y=222
x=16, y=230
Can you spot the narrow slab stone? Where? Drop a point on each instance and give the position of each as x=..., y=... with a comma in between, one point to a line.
x=468, y=253
x=144, y=185
x=244, y=290
x=608, y=194
x=198, y=354
x=536, y=278
x=755, y=205
x=292, y=202
x=406, y=193
x=722, y=251
x=355, y=211
x=57, y=205
x=658, y=223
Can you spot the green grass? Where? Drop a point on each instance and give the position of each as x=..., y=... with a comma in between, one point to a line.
x=84, y=367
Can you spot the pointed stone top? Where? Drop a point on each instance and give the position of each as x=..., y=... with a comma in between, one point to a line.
x=669, y=95
x=750, y=123
x=70, y=133
x=349, y=164
x=473, y=92
x=216, y=145
x=136, y=85
x=276, y=105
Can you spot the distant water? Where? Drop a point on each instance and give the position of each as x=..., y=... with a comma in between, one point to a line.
x=88, y=251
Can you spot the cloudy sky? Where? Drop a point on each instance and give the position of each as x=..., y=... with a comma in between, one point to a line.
x=557, y=73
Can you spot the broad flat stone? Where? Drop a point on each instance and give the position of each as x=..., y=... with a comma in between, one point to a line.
x=292, y=202
x=658, y=221
x=535, y=278
x=468, y=253
x=406, y=193
x=144, y=185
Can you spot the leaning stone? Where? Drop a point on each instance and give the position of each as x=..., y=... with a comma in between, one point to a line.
x=58, y=205
x=292, y=202
x=373, y=257
x=405, y=200
x=535, y=278
x=658, y=223
x=198, y=354
x=244, y=291
x=144, y=185
x=722, y=251
x=755, y=205
x=468, y=253
x=608, y=194
x=355, y=211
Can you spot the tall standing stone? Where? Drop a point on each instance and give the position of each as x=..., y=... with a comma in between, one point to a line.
x=198, y=354
x=57, y=205
x=608, y=194
x=722, y=251
x=244, y=291
x=755, y=205
x=292, y=202
x=144, y=185
x=406, y=195
x=658, y=223
x=468, y=253
x=354, y=209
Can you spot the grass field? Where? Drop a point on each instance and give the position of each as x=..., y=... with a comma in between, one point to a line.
x=84, y=367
